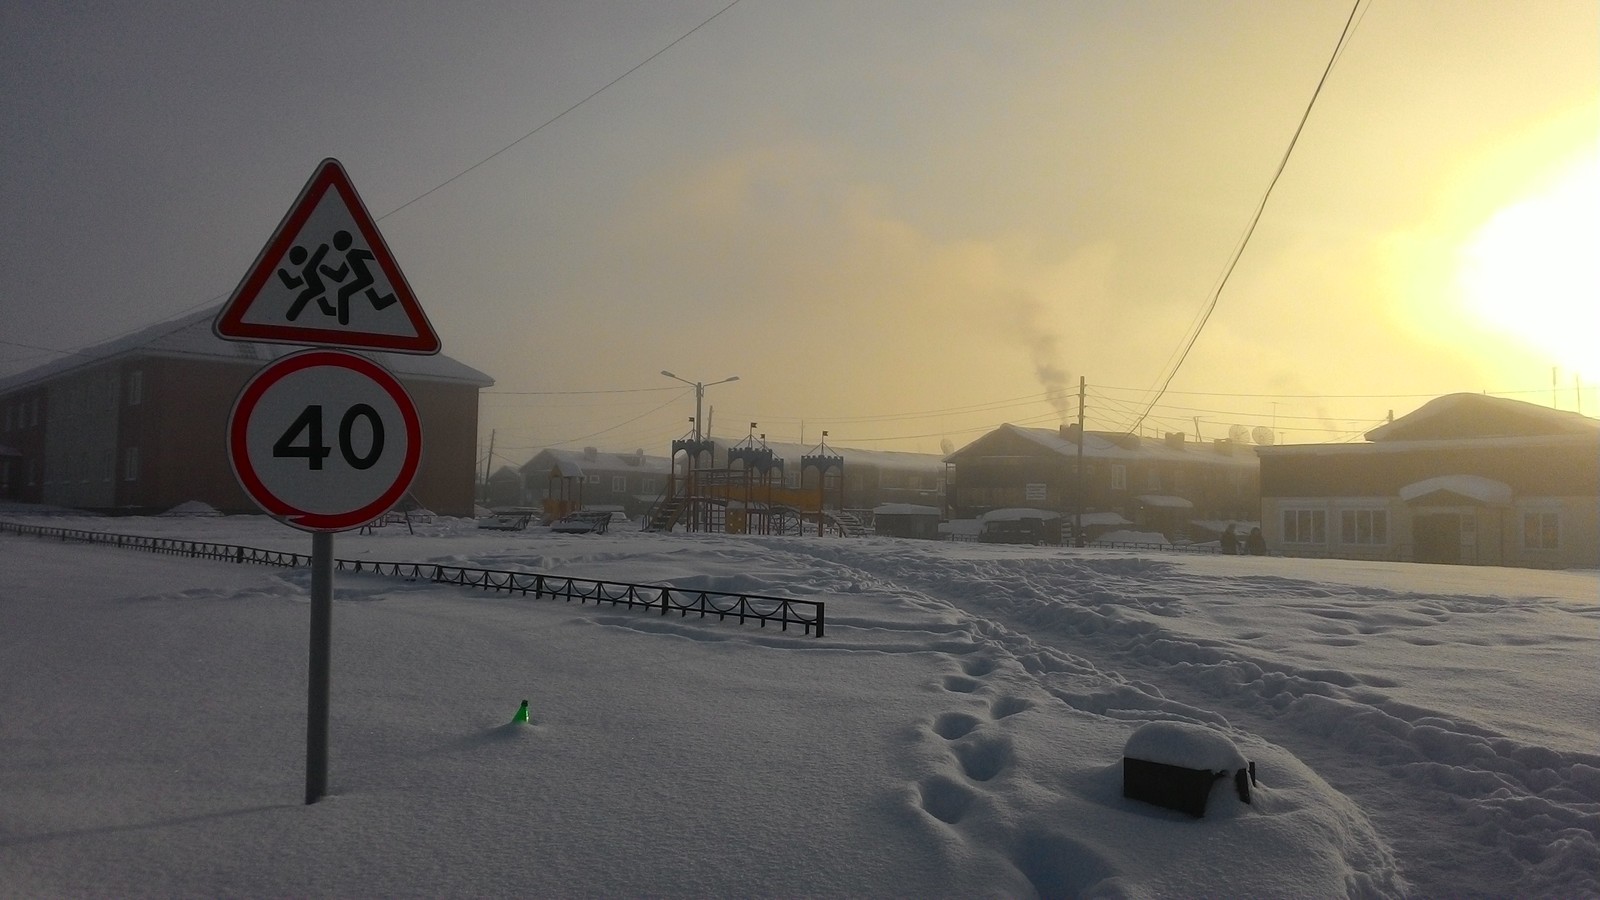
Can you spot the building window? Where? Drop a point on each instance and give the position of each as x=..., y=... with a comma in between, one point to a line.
x=130, y=464
x=1364, y=526
x=1305, y=526
x=619, y=484
x=135, y=387
x=591, y=479
x=650, y=486
x=1152, y=480
x=1119, y=477
x=1541, y=531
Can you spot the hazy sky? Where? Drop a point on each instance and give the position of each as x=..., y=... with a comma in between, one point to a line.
x=903, y=222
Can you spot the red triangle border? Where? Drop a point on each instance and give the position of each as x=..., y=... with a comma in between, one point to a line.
x=330, y=175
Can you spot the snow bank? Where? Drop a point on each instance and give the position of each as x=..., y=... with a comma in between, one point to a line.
x=957, y=733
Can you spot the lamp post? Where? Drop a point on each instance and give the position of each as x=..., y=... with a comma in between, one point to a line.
x=699, y=395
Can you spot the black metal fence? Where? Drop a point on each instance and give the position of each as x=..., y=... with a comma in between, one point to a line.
x=807, y=615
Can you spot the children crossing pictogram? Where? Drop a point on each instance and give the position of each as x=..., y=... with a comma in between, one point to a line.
x=312, y=268
x=327, y=278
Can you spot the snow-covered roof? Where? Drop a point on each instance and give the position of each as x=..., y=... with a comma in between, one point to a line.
x=1165, y=501
x=1017, y=514
x=1463, y=443
x=1099, y=519
x=190, y=336
x=576, y=462
x=1472, y=487
x=904, y=509
x=899, y=460
x=1467, y=416
x=1101, y=445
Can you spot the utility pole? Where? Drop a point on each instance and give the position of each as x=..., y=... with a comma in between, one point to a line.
x=699, y=396
x=487, y=462
x=1077, y=489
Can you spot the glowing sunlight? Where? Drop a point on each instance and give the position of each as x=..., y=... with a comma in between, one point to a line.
x=1532, y=270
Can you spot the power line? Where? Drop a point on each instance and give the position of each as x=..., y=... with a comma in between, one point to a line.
x=540, y=127
x=1255, y=220
x=648, y=390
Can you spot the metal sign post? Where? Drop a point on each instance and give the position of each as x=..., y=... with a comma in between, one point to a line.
x=321, y=665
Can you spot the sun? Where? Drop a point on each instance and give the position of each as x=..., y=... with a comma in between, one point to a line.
x=1531, y=271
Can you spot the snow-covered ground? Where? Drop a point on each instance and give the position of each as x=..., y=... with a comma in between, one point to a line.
x=1417, y=730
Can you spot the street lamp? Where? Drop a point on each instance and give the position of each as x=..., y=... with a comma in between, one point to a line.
x=699, y=395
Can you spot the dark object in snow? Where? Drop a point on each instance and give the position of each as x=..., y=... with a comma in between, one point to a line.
x=1174, y=787
x=1174, y=764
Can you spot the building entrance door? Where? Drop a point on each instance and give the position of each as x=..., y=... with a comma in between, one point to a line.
x=1437, y=537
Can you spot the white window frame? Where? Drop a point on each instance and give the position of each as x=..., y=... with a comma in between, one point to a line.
x=135, y=387
x=1119, y=477
x=619, y=484
x=130, y=464
x=1376, y=530
x=1536, y=540
x=1306, y=519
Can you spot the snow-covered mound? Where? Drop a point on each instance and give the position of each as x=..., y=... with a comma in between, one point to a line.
x=1184, y=744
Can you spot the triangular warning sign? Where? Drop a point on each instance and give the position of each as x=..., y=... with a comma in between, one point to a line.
x=327, y=279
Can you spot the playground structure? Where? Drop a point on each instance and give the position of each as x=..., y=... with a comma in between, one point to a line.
x=749, y=493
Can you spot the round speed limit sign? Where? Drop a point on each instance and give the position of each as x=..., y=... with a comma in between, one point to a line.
x=325, y=439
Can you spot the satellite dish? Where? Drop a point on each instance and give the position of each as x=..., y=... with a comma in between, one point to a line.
x=947, y=446
x=1263, y=435
x=1239, y=434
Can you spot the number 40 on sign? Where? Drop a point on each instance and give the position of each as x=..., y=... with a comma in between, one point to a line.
x=324, y=439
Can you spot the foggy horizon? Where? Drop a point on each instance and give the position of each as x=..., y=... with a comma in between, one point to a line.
x=901, y=226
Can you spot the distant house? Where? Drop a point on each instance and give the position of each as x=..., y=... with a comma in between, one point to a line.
x=590, y=478
x=505, y=489
x=139, y=424
x=1466, y=478
x=1170, y=485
